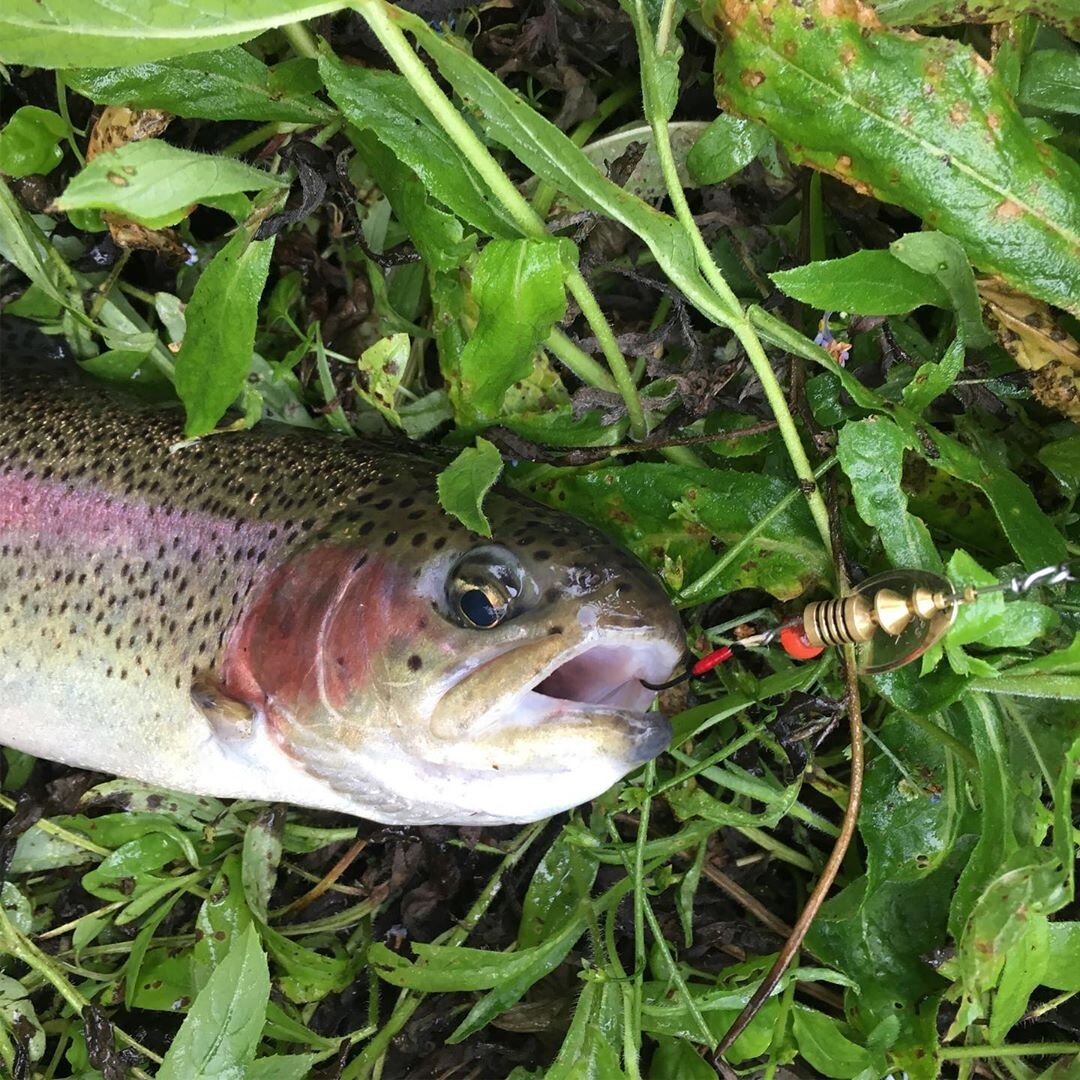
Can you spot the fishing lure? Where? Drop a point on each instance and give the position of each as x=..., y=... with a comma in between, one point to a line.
x=891, y=619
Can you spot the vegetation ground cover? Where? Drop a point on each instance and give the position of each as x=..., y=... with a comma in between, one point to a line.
x=779, y=295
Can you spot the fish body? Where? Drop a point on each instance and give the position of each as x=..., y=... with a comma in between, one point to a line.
x=290, y=616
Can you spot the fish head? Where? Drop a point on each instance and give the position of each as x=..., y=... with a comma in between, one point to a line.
x=446, y=677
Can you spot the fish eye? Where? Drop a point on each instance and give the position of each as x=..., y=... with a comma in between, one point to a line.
x=483, y=587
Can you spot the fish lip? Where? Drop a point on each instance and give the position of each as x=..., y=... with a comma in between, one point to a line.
x=643, y=654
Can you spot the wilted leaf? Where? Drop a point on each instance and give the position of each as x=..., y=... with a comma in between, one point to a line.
x=155, y=184
x=917, y=121
x=466, y=480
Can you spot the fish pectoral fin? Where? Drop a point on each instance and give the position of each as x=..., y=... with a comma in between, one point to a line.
x=232, y=720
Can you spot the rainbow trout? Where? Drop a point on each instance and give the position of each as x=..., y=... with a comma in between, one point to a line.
x=290, y=616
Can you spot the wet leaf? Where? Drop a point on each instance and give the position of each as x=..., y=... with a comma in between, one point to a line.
x=941, y=257
x=674, y=511
x=825, y=1046
x=216, y=353
x=560, y=882
x=1051, y=80
x=222, y=918
x=261, y=856
x=18, y=1017
x=282, y=1067
x=384, y=103
x=381, y=368
x=727, y=145
x=544, y=149
x=518, y=288
x=466, y=480
x=1060, y=13
x=92, y=33
x=229, y=84
x=155, y=184
x=871, y=453
x=437, y=235
x=30, y=141
x=867, y=283
x=922, y=122
x=932, y=380
x=218, y=1039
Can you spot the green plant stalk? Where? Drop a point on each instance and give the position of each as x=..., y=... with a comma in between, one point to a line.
x=260, y=135
x=301, y=40
x=691, y=594
x=579, y=362
x=724, y=306
x=545, y=193
x=62, y=108
x=408, y=1001
x=975, y=1053
x=767, y=842
x=392, y=39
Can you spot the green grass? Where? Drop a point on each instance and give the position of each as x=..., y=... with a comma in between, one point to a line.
x=612, y=337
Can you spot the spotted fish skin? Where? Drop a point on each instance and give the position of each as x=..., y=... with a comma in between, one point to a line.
x=265, y=614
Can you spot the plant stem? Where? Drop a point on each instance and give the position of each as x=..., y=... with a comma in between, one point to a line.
x=513, y=202
x=969, y=1053
x=545, y=192
x=300, y=38
x=579, y=362
x=723, y=303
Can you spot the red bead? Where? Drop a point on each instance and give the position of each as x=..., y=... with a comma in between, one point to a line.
x=795, y=643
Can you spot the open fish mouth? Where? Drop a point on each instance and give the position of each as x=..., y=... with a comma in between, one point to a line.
x=548, y=686
x=608, y=675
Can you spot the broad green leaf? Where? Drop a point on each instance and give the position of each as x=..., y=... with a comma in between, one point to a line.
x=1062, y=971
x=466, y=480
x=932, y=380
x=518, y=289
x=155, y=184
x=544, y=149
x=871, y=453
x=216, y=353
x=561, y=881
x=29, y=141
x=384, y=103
x=867, y=283
x=94, y=33
x=1051, y=80
x=437, y=235
x=18, y=1017
x=229, y=84
x=913, y=806
x=1061, y=13
x=670, y=512
x=219, y=1036
x=1062, y=458
x=727, y=145
x=381, y=367
x=261, y=857
x=826, y=1048
x=221, y=919
x=1024, y=970
x=941, y=257
x=922, y=122
x=678, y=1058
x=309, y=975
x=282, y=1067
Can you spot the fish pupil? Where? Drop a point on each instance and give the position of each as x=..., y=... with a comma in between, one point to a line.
x=478, y=609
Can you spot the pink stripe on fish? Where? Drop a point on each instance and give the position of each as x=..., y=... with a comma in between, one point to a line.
x=63, y=513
